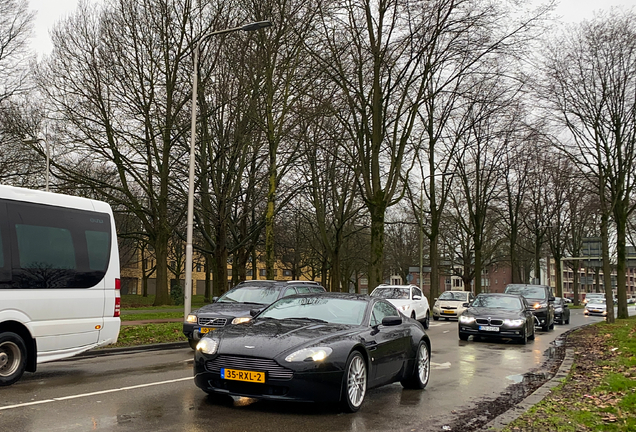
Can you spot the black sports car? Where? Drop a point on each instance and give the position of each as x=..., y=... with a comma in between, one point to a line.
x=327, y=347
x=234, y=306
x=498, y=315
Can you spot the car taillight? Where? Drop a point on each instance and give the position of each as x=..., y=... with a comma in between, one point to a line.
x=117, y=298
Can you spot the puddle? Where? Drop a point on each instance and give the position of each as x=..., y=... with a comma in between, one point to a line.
x=515, y=378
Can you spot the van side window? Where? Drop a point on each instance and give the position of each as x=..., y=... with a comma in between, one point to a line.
x=56, y=247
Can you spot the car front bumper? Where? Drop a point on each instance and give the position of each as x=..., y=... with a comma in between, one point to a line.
x=303, y=386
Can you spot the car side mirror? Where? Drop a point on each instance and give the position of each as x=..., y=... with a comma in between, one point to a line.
x=551, y=298
x=391, y=320
x=254, y=312
x=214, y=299
x=465, y=305
x=530, y=309
x=416, y=297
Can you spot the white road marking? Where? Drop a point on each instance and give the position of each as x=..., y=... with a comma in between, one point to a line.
x=93, y=393
x=446, y=365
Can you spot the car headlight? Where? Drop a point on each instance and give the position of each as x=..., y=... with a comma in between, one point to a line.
x=309, y=354
x=466, y=319
x=539, y=305
x=192, y=319
x=513, y=322
x=241, y=320
x=208, y=345
x=558, y=309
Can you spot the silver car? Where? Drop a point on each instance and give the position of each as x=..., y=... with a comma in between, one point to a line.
x=451, y=304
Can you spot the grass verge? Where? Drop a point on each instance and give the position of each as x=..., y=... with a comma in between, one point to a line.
x=138, y=302
x=599, y=394
x=149, y=316
x=145, y=334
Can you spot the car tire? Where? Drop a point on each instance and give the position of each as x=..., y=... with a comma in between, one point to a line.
x=463, y=336
x=532, y=336
x=435, y=318
x=523, y=340
x=427, y=321
x=567, y=321
x=421, y=369
x=13, y=357
x=193, y=343
x=546, y=327
x=354, y=385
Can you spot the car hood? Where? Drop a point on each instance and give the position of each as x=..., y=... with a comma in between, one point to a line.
x=596, y=305
x=400, y=302
x=492, y=312
x=229, y=310
x=271, y=338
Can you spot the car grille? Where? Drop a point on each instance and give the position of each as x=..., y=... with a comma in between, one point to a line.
x=270, y=367
x=217, y=322
x=494, y=322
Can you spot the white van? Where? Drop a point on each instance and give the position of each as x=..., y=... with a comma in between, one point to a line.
x=59, y=278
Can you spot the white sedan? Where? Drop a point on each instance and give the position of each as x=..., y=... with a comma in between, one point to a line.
x=408, y=299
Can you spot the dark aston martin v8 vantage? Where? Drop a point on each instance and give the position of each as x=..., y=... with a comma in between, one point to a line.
x=498, y=315
x=327, y=347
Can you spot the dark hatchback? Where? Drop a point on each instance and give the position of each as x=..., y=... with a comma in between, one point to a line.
x=498, y=315
x=315, y=348
x=235, y=305
x=541, y=298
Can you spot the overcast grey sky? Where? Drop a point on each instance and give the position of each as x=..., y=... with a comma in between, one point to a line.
x=51, y=11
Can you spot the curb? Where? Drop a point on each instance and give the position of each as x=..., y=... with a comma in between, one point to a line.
x=101, y=352
x=501, y=421
x=518, y=410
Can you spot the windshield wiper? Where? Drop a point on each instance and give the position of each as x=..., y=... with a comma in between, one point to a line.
x=310, y=319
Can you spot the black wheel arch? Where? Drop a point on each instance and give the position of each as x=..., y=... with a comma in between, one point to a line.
x=30, y=343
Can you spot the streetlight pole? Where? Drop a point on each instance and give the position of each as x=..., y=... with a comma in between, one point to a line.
x=193, y=124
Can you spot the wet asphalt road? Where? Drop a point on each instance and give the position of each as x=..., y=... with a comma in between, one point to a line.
x=154, y=391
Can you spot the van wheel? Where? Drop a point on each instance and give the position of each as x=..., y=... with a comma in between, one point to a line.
x=12, y=358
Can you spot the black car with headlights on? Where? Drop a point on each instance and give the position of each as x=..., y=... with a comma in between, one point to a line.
x=561, y=311
x=540, y=298
x=498, y=315
x=234, y=306
x=328, y=347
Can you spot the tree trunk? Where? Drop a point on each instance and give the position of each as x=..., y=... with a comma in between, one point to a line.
x=607, y=270
x=162, y=296
x=376, y=267
x=621, y=255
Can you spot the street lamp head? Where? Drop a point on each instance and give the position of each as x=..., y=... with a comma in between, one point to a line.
x=256, y=25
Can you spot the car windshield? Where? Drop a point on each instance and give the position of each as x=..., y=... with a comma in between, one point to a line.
x=498, y=302
x=527, y=291
x=250, y=294
x=597, y=301
x=454, y=296
x=329, y=309
x=392, y=293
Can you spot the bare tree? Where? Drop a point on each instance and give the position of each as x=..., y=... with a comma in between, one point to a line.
x=117, y=85
x=590, y=76
x=16, y=23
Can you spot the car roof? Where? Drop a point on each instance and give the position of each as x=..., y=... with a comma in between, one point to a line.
x=275, y=283
x=350, y=296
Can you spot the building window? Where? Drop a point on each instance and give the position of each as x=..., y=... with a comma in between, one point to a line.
x=261, y=272
x=198, y=267
x=248, y=272
x=287, y=273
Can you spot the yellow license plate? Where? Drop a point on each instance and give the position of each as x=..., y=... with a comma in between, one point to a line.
x=449, y=312
x=206, y=329
x=242, y=375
